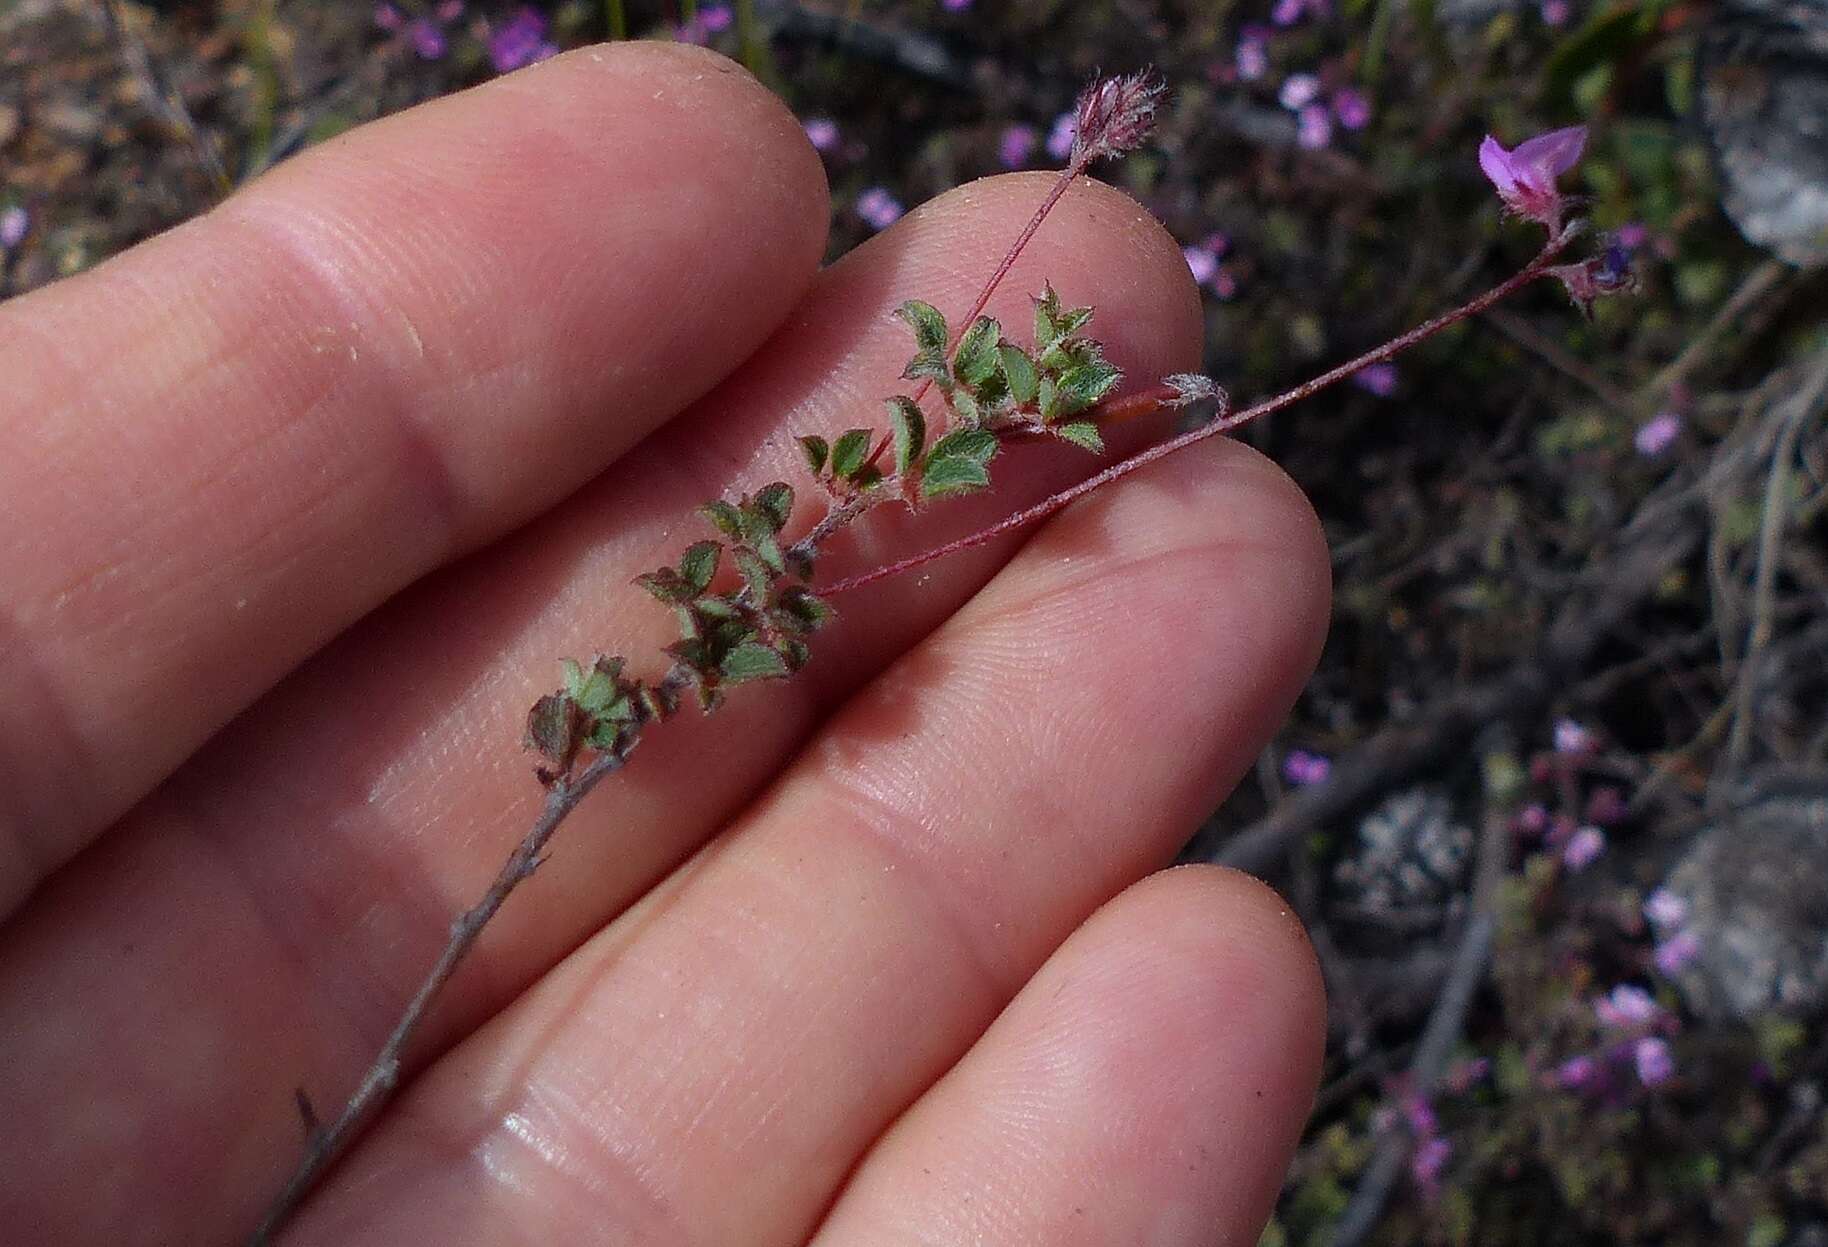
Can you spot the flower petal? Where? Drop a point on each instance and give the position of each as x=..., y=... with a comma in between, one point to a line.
x=1553, y=153
x=1498, y=166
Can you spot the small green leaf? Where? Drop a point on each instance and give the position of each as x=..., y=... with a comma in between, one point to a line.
x=776, y=502
x=1054, y=323
x=1019, y=373
x=666, y=585
x=976, y=359
x=757, y=574
x=1084, y=384
x=699, y=563
x=910, y=429
x=850, y=452
x=816, y=449
x=753, y=661
x=809, y=611
x=597, y=691
x=1082, y=433
x=955, y=474
x=724, y=517
x=928, y=325
x=977, y=445
x=716, y=607
x=574, y=675
x=795, y=653
x=929, y=366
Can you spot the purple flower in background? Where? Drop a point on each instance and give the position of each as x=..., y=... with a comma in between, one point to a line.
x=716, y=17
x=1426, y=1165
x=1525, y=177
x=388, y=18
x=1626, y=1007
x=1288, y=12
x=822, y=133
x=1633, y=234
x=1298, y=91
x=1556, y=12
x=1665, y=909
x=14, y=222
x=1378, y=379
x=1583, y=848
x=449, y=11
x=1302, y=768
x=427, y=38
x=1533, y=819
x=1313, y=127
x=1655, y=1063
x=1675, y=953
x=1203, y=264
x=878, y=208
x=1606, y=806
x=521, y=42
x=1658, y=434
x=1017, y=144
x=1352, y=108
x=1571, y=737
x=1252, y=59
x=1577, y=1072
x=1060, y=138
x=955, y=6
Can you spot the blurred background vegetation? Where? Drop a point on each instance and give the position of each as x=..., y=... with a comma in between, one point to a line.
x=1556, y=803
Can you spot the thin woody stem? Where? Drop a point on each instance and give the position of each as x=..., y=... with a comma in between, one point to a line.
x=1224, y=424
x=326, y=1143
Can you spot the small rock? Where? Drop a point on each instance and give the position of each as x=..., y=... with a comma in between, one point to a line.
x=1764, y=102
x=1756, y=883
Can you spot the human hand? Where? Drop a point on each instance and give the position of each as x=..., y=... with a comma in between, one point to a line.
x=307, y=496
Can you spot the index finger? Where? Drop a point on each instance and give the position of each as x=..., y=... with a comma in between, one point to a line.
x=229, y=443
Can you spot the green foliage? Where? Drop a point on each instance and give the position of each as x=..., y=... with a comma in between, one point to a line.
x=909, y=428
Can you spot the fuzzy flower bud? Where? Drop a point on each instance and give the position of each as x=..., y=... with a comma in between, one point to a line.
x=1115, y=115
x=1190, y=388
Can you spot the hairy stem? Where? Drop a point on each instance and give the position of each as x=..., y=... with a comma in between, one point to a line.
x=1225, y=423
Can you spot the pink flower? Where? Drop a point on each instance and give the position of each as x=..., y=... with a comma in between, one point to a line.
x=1571, y=737
x=1378, y=379
x=1675, y=953
x=716, y=17
x=1202, y=263
x=1252, y=59
x=1525, y=178
x=388, y=18
x=1665, y=909
x=1016, y=145
x=1606, y=806
x=1314, y=127
x=1583, y=848
x=1658, y=434
x=1426, y=1165
x=1588, y=281
x=1298, y=91
x=1556, y=12
x=1577, y=1072
x=1655, y=1063
x=822, y=133
x=1633, y=234
x=521, y=42
x=878, y=208
x=427, y=39
x=1532, y=820
x=1060, y=138
x=1352, y=108
x=1626, y=1007
x=14, y=223
x=1302, y=768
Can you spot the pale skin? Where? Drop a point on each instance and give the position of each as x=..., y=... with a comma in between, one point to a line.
x=305, y=500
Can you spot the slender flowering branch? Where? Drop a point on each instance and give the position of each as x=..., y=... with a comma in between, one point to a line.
x=1149, y=402
x=996, y=391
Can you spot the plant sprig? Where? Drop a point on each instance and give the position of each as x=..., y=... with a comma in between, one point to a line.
x=743, y=596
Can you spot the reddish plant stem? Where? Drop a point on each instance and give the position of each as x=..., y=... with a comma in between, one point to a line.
x=1067, y=176
x=1223, y=424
